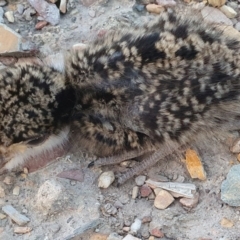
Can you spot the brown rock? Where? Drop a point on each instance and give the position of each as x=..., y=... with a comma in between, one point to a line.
x=190, y=202
x=163, y=199
x=146, y=219
x=74, y=174
x=145, y=190
x=157, y=233
x=2, y=192
x=236, y=146
x=217, y=3
x=135, y=192
x=10, y=41
x=41, y=25
x=226, y=223
x=194, y=165
x=154, y=8
x=8, y=180
x=22, y=230
x=98, y=236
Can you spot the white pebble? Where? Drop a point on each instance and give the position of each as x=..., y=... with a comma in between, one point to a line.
x=140, y=180
x=9, y=16
x=106, y=179
x=8, y=180
x=16, y=190
x=135, y=227
x=135, y=192
x=228, y=11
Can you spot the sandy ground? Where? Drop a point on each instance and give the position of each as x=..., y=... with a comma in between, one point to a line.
x=77, y=210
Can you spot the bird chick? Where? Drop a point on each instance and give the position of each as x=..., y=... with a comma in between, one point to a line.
x=141, y=92
x=154, y=89
x=35, y=106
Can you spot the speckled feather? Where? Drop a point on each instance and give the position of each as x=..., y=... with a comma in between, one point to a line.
x=149, y=89
x=159, y=80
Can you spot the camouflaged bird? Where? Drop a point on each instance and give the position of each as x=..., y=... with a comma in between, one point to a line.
x=141, y=92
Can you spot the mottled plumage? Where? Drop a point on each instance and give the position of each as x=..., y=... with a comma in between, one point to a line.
x=144, y=90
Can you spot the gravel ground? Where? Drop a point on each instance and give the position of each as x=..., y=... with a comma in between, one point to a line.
x=59, y=208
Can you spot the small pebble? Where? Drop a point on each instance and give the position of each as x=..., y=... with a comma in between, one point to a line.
x=16, y=190
x=2, y=216
x=157, y=233
x=22, y=230
x=230, y=188
x=166, y=3
x=157, y=190
x=20, y=8
x=1, y=15
x=3, y=3
x=163, y=200
x=106, y=179
x=17, y=217
x=194, y=165
x=25, y=170
x=126, y=229
x=92, y=13
x=136, y=225
x=146, y=219
x=180, y=179
x=130, y=237
x=190, y=202
x=118, y=204
x=151, y=238
x=151, y=196
x=73, y=183
x=236, y=144
x=217, y=3
x=28, y=13
x=145, y=190
x=9, y=16
x=154, y=8
x=41, y=25
x=63, y=6
x=114, y=236
x=226, y=223
x=8, y=180
x=140, y=180
x=237, y=26
x=23, y=175
x=228, y=11
x=135, y=192
x=98, y=236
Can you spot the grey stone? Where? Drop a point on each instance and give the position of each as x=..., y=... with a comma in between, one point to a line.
x=230, y=189
x=20, y=8
x=140, y=180
x=15, y=215
x=1, y=15
x=237, y=26
x=48, y=11
x=114, y=236
x=3, y=3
